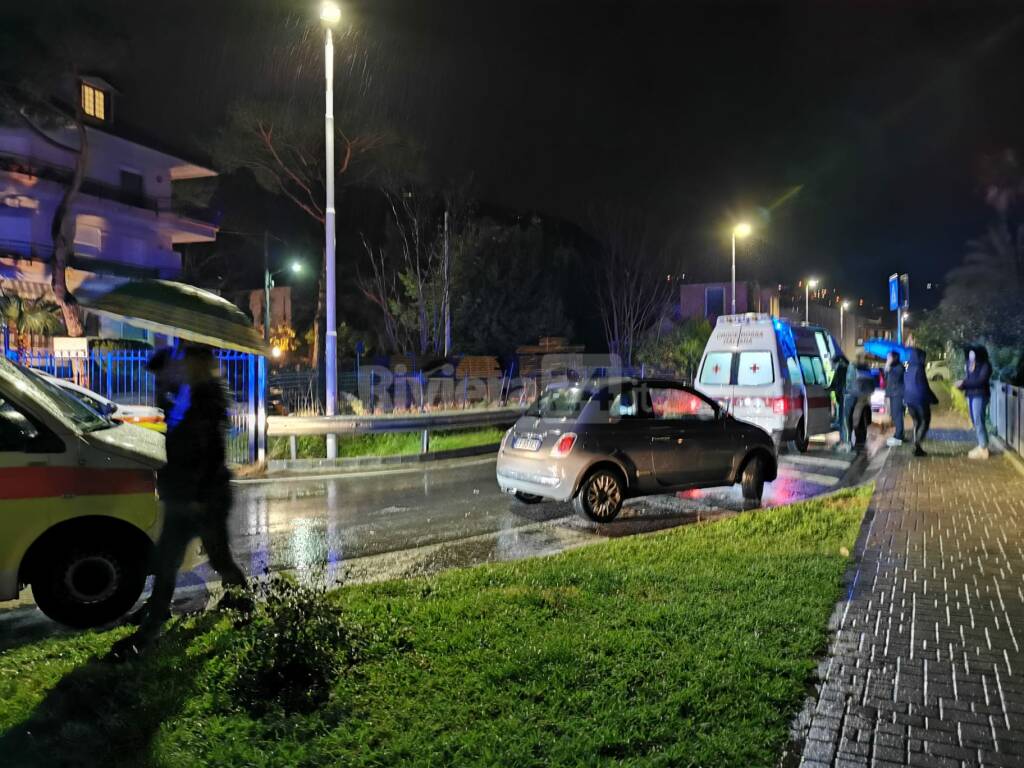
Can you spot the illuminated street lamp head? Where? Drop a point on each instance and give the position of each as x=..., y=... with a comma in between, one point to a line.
x=330, y=13
x=741, y=230
x=275, y=352
x=812, y=283
x=297, y=267
x=846, y=305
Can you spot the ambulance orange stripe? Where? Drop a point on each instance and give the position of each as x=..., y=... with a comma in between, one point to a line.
x=40, y=482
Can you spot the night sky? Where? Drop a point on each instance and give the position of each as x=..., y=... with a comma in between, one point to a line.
x=850, y=132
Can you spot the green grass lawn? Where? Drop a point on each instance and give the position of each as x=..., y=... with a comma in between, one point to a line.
x=385, y=444
x=687, y=647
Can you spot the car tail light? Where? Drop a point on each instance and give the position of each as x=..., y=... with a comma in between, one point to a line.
x=780, y=405
x=564, y=445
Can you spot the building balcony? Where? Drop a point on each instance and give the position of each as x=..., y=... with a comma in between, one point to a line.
x=42, y=253
x=32, y=169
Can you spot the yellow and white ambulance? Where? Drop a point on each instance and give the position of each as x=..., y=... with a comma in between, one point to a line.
x=79, y=513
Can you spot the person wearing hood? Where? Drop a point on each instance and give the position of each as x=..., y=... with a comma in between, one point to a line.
x=976, y=387
x=918, y=396
x=894, y=375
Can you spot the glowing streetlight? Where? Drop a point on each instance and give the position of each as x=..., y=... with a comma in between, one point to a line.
x=842, y=309
x=812, y=283
x=295, y=267
x=330, y=15
x=741, y=230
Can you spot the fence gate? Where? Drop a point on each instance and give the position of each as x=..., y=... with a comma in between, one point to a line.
x=122, y=377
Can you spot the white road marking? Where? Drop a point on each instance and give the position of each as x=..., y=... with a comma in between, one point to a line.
x=810, y=477
x=820, y=461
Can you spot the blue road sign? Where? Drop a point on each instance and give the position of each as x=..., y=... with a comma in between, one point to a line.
x=894, y=292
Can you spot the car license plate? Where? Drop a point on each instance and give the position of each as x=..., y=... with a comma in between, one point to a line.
x=526, y=444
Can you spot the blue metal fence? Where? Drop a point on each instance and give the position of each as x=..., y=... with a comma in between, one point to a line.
x=122, y=377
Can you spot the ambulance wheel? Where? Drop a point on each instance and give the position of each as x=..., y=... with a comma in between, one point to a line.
x=802, y=439
x=752, y=479
x=87, y=581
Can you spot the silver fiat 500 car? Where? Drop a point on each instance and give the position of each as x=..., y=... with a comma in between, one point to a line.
x=598, y=443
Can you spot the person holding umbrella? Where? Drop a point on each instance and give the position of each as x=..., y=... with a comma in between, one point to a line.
x=194, y=485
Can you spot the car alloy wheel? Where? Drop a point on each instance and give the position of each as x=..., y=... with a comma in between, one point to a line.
x=600, y=498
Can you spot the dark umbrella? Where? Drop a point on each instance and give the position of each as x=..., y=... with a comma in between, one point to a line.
x=180, y=310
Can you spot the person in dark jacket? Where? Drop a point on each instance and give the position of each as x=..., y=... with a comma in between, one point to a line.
x=894, y=392
x=857, y=404
x=837, y=386
x=976, y=387
x=918, y=396
x=194, y=484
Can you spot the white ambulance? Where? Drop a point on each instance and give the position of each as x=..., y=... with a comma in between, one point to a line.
x=772, y=373
x=78, y=508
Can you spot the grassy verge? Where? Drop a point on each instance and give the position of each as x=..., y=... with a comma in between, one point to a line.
x=688, y=647
x=386, y=444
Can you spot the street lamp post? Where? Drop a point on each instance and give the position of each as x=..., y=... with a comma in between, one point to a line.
x=330, y=14
x=268, y=284
x=842, y=310
x=807, y=298
x=741, y=230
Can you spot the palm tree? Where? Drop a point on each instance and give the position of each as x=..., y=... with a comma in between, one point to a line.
x=28, y=317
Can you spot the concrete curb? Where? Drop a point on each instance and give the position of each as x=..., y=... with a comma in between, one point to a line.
x=800, y=726
x=1011, y=456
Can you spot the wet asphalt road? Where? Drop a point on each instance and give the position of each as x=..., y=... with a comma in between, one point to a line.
x=423, y=519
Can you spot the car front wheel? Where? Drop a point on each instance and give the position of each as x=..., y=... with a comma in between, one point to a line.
x=87, y=582
x=600, y=496
x=752, y=480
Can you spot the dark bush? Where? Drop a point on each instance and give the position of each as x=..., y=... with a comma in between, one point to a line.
x=291, y=647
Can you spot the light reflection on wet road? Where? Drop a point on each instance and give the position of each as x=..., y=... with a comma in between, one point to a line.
x=387, y=525
x=421, y=520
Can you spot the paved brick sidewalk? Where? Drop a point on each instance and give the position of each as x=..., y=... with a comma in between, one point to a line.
x=927, y=667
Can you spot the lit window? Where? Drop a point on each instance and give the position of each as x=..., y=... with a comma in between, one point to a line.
x=94, y=102
x=88, y=236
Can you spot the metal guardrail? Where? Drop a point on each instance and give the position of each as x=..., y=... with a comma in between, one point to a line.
x=278, y=426
x=293, y=427
x=1006, y=411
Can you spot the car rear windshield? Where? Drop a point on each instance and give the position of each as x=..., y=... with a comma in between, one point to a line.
x=560, y=402
x=753, y=368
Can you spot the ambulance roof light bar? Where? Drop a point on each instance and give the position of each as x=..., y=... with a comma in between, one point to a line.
x=742, y=319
